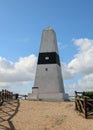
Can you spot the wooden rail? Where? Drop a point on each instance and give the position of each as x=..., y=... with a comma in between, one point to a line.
x=84, y=105
x=5, y=95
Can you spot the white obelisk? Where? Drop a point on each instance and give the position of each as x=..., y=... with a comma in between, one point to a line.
x=48, y=83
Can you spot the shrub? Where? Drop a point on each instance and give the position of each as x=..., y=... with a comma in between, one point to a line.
x=88, y=94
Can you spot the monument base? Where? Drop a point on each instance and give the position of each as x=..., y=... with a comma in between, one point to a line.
x=48, y=97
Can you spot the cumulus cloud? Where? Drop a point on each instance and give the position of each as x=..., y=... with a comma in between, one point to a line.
x=82, y=62
x=21, y=71
x=5, y=64
x=66, y=72
x=86, y=82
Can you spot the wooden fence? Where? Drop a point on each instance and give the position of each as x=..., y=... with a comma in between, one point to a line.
x=5, y=95
x=84, y=105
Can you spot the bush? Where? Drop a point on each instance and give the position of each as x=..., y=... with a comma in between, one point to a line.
x=88, y=94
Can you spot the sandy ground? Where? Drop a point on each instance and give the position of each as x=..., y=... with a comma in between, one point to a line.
x=37, y=115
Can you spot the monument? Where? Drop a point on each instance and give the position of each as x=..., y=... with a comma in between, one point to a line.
x=48, y=84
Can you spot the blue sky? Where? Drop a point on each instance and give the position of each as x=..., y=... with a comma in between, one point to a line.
x=21, y=25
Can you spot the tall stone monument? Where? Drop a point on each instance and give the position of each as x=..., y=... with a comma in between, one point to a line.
x=48, y=83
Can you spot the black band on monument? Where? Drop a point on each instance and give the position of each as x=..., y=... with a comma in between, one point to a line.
x=48, y=58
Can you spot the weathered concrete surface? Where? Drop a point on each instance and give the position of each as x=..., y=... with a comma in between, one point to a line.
x=48, y=80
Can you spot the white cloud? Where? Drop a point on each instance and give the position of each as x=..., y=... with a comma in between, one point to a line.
x=67, y=74
x=5, y=84
x=26, y=64
x=70, y=88
x=21, y=71
x=86, y=83
x=82, y=62
x=5, y=64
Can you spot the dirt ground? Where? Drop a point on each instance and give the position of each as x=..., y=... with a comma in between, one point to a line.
x=39, y=115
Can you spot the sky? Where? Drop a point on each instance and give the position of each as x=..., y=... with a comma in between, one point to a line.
x=21, y=26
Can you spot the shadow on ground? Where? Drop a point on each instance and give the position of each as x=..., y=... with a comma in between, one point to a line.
x=7, y=111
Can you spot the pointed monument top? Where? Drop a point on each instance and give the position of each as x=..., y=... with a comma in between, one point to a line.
x=49, y=28
x=48, y=41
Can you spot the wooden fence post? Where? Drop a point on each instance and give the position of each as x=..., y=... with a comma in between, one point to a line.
x=2, y=95
x=0, y=98
x=5, y=95
x=25, y=97
x=11, y=95
x=75, y=93
x=85, y=107
x=75, y=100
